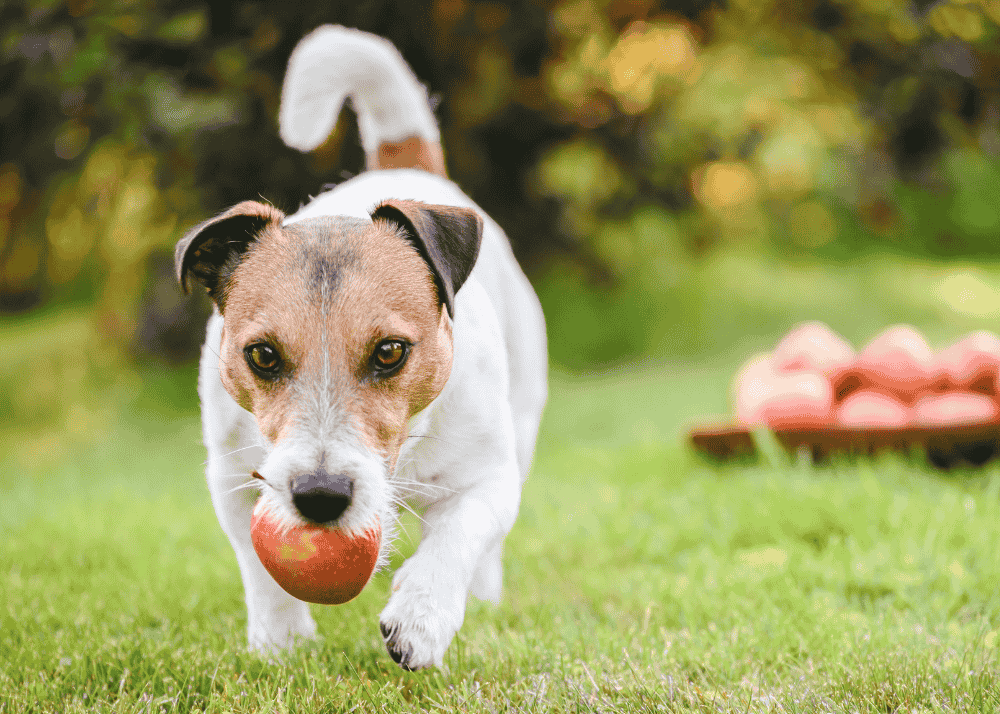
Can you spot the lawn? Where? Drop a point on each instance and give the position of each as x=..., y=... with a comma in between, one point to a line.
x=638, y=577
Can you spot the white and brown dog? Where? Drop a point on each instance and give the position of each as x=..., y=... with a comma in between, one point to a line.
x=379, y=346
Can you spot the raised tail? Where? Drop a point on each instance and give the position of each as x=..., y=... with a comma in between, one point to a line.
x=397, y=127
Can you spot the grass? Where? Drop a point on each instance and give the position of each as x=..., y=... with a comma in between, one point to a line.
x=638, y=577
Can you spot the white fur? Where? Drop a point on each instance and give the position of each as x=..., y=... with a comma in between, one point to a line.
x=330, y=64
x=467, y=477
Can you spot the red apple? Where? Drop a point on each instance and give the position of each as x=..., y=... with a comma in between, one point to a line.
x=312, y=562
x=813, y=347
x=751, y=387
x=898, y=361
x=781, y=401
x=798, y=401
x=870, y=409
x=973, y=359
x=954, y=408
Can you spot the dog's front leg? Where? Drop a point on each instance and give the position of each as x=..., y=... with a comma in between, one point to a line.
x=462, y=538
x=275, y=619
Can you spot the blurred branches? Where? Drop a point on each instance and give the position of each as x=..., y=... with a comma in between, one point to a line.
x=764, y=118
x=831, y=128
x=617, y=141
x=124, y=122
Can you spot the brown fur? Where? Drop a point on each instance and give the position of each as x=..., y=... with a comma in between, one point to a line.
x=325, y=314
x=412, y=152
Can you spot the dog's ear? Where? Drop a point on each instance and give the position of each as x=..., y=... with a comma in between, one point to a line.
x=447, y=237
x=210, y=251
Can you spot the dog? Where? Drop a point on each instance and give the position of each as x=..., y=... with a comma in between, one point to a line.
x=378, y=349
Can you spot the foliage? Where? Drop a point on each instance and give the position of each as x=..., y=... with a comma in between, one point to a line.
x=759, y=116
x=123, y=124
x=826, y=128
x=619, y=143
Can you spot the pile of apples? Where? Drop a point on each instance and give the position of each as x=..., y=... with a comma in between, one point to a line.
x=814, y=378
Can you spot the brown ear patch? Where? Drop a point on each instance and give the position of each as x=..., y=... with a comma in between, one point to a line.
x=210, y=251
x=447, y=238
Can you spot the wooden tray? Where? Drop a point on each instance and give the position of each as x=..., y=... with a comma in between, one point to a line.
x=945, y=446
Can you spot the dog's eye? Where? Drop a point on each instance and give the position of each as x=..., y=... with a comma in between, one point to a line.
x=389, y=355
x=263, y=359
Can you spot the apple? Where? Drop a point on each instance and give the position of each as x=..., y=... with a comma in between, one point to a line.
x=813, y=347
x=782, y=401
x=954, y=408
x=313, y=562
x=972, y=362
x=751, y=387
x=898, y=361
x=798, y=401
x=870, y=409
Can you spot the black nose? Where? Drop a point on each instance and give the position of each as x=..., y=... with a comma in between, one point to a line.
x=322, y=497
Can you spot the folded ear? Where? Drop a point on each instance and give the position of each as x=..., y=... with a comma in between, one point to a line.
x=447, y=237
x=210, y=251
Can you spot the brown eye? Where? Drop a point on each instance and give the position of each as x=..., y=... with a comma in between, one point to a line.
x=389, y=355
x=263, y=359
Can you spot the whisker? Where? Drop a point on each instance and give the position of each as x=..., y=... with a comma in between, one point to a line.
x=404, y=506
x=416, y=487
x=234, y=451
x=392, y=474
x=242, y=486
x=428, y=436
x=214, y=352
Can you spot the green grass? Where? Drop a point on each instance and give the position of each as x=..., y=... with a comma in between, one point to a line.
x=638, y=579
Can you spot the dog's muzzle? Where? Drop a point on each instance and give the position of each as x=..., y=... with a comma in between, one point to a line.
x=322, y=497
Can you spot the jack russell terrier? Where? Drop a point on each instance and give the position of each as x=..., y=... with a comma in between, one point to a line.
x=379, y=347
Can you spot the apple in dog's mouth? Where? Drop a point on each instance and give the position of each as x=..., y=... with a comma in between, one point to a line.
x=313, y=562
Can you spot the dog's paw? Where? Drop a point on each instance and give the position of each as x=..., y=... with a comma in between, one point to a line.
x=282, y=631
x=420, y=621
x=414, y=645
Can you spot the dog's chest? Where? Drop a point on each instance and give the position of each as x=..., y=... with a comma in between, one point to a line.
x=421, y=473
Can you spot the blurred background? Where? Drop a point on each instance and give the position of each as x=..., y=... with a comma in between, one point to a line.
x=682, y=181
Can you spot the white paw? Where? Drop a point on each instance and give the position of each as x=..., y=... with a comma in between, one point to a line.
x=421, y=619
x=281, y=630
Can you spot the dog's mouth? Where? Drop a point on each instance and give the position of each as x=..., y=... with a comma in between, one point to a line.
x=340, y=489
x=313, y=510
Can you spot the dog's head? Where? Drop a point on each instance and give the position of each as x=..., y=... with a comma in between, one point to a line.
x=336, y=332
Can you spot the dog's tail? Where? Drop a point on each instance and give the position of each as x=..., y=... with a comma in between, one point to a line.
x=397, y=127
